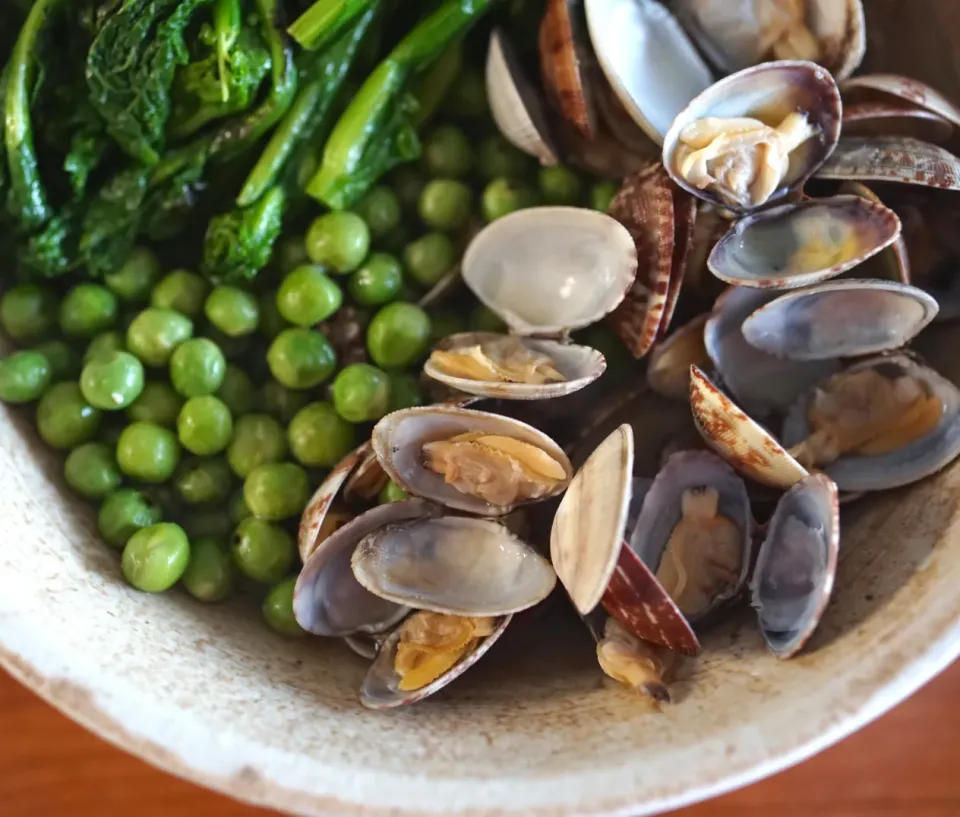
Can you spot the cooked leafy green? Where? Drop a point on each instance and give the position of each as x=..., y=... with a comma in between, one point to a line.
x=239, y=244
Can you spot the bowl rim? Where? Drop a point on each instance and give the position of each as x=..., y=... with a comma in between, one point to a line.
x=68, y=694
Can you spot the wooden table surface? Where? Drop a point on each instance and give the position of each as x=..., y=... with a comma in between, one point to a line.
x=907, y=764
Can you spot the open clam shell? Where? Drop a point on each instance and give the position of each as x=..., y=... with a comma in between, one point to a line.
x=455, y=565
x=760, y=382
x=668, y=371
x=591, y=558
x=906, y=464
x=565, y=56
x=893, y=87
x=741, y=441
x=796, y=565
x=768, y=93
x=701, y=581
x=898, y=159
x=328, y=600
x=380, y=686
x=578, y=365
x=367, y=479
x=895, y=118
x=848, y=318
x=514, y=103
x=685, y=210
x=398, y=440
x=550, y=270
x=648, y=60
x=311, y=531
x=796, y=245
x=893, y=263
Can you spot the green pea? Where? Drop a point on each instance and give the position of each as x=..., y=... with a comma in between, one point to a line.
x=202, y=480
x=484, y=319
x=87, y=310
x=404, y=392
x=445, y=205
x=112, y=380
x=209, y=524
x=361, y=393
x=156, y=557
x=64, y=360
x=258, y=439
x=394, y=241
x=91, y=470
x=498, y=158
x=125, y=512
x=262, y=551
x=158, y=403
x=601, y=195
x=28, y=313
x=377, y=281
x=559, y=185
x=398, y=335
x=292, y=253
x=504, y=196
x=429, y=258
x=24, y=377
x=148, y=452
x=277, y=490
x=380, y=209
x=278, y=609
x=301, y=358
x=209, y=573
x=155, y=333
x=132, y=282
x=391, y=492
x=308, y=296
x=204, y=426
x=338, y=241
x=448, y=153
x=239, y=510
x=468, y=97
x=64, y=418
x=408, y=184
x=319, y=437
x=272, y=322
x=232, y=311
x=106, y=343
x=236, y=390
x=197, y=367
x=281, y=402
x=182, y=291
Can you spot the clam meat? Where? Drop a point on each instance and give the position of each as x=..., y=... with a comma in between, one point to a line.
x=633, y=662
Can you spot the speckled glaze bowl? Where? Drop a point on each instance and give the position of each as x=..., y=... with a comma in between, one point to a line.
x=208, y=693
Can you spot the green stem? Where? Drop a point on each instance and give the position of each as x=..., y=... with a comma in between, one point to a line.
x=429, y=39
x=433, y=86
x=227, y=21
x=325, y=20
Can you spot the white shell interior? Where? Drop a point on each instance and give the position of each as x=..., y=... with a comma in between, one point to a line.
x=547, y=270
x=847, y=318
x=580, y=365
x=648, y=60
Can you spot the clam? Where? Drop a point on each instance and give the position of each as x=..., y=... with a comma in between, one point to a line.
x=895, y=118
x=660, y=220
x=899, y=159
x=760, y=382
x=629, y=660
x=735, y=34
x=847, y=318
x=796, y=565
x=756, y=136
x=882, y=423
x=695, y=532
x=668, y=371
x=711, y=224
x=593, y=561
x=796, y=245
x=514, y=103
x=892, y=88
x=468, y=460
x=453, y=565
x=545, y=271
x=427, y=645
x=565, y=57
x=740, y=440
x=648, y=60
x=893, y=263
x=366, y=480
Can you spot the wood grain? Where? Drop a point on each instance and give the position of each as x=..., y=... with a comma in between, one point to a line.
x=904, y=765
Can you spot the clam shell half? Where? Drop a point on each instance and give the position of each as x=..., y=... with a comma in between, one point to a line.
x=869, y=87
x=455, y=565
x=848, y=318
x=796, y=245
x=311, y=523
x=892, y=159
x=796, y=565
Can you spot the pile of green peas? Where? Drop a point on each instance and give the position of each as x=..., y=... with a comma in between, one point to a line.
x=201, y=418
